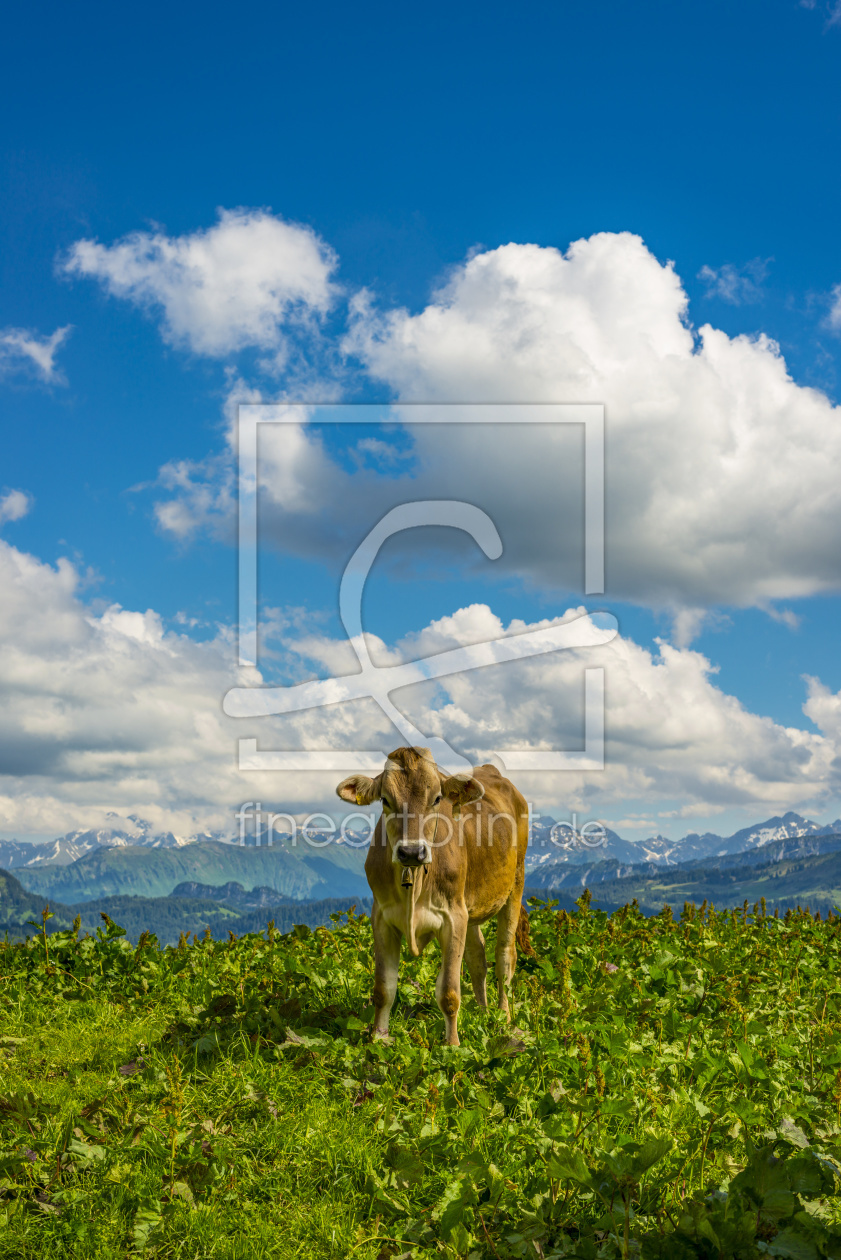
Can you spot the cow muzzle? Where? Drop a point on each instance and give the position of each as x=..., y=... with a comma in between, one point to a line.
x=412, y=853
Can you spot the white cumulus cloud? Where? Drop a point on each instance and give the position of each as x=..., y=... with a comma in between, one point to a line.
x=14, y=504
x=23, y=350
x=721, y=470
x=721, y=486
x=232, y=286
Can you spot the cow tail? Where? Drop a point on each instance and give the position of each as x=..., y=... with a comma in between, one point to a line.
x=524, y=944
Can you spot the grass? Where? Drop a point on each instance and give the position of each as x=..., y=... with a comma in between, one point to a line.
x=278, y=1189
x=668, y=1089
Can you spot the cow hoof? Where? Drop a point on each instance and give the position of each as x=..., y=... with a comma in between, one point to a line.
x=383, y=1036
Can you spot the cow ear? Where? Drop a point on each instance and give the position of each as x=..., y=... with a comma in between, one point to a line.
x=461, y=789
x=359, y=789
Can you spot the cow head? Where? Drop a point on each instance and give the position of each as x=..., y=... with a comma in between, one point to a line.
x=412, y=789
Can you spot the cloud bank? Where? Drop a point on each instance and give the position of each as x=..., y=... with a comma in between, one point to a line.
x=113, y=711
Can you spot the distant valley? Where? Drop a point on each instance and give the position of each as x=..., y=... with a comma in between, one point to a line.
x=218, y=911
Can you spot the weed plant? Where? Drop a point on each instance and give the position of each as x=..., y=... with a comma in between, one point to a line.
x=668, y=1089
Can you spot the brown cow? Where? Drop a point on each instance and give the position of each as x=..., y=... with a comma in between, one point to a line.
x=447, y=855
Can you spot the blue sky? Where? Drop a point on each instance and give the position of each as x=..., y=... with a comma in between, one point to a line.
x=409, y=142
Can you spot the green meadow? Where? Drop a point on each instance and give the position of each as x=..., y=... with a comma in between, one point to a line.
x=668, y=1087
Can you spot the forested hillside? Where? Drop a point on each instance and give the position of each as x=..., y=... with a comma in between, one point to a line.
x=814, y=881
x=167, y=918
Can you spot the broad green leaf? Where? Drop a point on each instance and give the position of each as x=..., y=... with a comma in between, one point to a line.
x=566, y=1164
x=791, y=1245
x=792, y=1133
x=650, y=1153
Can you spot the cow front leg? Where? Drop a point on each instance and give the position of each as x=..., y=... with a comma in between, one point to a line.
x=386, y=967
x=448, y=985
x=477, y=962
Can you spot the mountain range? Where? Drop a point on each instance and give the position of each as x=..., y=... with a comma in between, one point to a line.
x=75, y=844
x=808, y=879
x=167, y=885
x=738, y=866
x=134, y=860
x=555, y=844
x=550, y=841
x=296, y=871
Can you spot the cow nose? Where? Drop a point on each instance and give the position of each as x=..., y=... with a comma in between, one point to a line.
x=410, y=853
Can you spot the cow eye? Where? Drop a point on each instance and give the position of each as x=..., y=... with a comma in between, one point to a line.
x=387, y=803
x=437, y=800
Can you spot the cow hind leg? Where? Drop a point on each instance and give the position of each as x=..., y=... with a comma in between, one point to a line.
x=506, y=938
x=477, y=962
